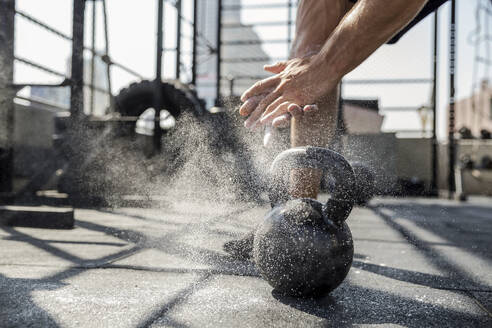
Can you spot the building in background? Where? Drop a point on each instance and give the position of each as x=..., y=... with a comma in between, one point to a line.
x=362, y=116
x=232, y=69
x=475, y=112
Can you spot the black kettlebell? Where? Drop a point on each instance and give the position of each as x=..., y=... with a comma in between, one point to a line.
x=304, y=248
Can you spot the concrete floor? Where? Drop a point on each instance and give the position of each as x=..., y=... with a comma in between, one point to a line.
x=418, y=263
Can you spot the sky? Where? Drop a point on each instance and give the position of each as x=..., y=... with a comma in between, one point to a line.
x=132, y=33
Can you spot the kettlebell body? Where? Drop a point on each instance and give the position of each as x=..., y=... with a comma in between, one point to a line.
x=304, y=248
x=300, y=252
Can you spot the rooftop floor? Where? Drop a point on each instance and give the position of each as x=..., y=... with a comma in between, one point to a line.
x=417, y=263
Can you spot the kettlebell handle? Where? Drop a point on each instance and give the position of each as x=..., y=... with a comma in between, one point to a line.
x=340, y=204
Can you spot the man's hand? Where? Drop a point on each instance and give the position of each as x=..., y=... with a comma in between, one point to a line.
x=296, y=85
x=281, y=121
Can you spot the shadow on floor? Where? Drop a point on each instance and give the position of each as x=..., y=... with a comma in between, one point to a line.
x=466, y=226
x=446, y=226
x=356, y=305
x=349, y=304
x=17, y=306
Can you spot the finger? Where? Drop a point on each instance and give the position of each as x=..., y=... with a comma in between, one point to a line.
x=271, y=107
x=275, y=68
x=249, y=105
x=282, y=121
x=295, y=110
x=255, y=116
x=310, y=108
x=260, y=87
x=253, y=119
x=281, y=109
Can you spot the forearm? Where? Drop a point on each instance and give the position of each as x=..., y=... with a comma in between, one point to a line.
x=365, y=28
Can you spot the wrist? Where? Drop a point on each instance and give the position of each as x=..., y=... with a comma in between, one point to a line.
x=329, y=75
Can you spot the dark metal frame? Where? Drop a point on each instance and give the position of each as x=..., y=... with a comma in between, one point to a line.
x=195, y=43
x=179, y=23
x=220, y=8
x=75, y=81
x=452, y=91
x=7, y=13
x=434, y=178
x=93, y=57
x=160, y=50
x=158, y=76
x=77, y=75
x=77, y=84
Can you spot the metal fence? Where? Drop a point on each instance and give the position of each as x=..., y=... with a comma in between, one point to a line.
x=229, y=42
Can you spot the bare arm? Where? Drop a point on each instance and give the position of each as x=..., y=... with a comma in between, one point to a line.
x=362, y=31
x=304, y=81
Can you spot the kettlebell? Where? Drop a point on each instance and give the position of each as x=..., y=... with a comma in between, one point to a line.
x=304, y=248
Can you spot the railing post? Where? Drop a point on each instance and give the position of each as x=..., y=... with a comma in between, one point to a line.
x=195, y=40
x=77, y=76
x=158, y=77
x=289, y=25
x=434, y=155
x=7, y=94
x=219, y=52
x=93, y=58
x=179, y=10
x=452, y=76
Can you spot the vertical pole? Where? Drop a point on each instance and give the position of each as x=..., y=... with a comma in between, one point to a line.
x=77, y=139
x=7, y=94
x=434, y=155
x=77, y=87
x=289, y=25
x=93, y=57
x=219, y=52
x=452, y=66
x=106, y=52
x=158, y=77
x=179, y=9
x=195, y=37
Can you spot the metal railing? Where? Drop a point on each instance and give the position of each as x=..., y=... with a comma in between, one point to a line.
x=236, y=78
x=104, y=56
